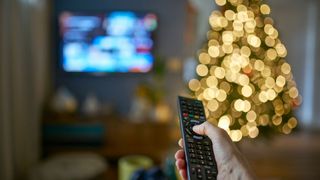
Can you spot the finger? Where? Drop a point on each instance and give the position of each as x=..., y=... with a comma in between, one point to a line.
x=180, y=143
x=179, y=154
x=181, y=164
x=183, y=174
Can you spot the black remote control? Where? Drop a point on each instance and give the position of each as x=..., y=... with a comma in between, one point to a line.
x=200, y=160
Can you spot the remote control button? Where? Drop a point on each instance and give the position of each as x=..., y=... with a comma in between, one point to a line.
x=191, y=150
x=207, y=148
x=200, y=152
x=190, y=145
x=194, y=122
x=207, y=143
x=199, y=147
x=193, y=170
x=202, y=162
x=199, y=170
x=192, y=155
x=199, y=176
x=190, y=140
x=199, y=143
x=193, y=161
x=200, y=157
x=197, y=137
x=210, y=178
x=210, y=163
x=188, y=131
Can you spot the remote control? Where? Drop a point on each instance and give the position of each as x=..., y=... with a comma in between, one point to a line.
x=200, y=160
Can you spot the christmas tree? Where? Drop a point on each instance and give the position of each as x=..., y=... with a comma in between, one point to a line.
x=244, y=81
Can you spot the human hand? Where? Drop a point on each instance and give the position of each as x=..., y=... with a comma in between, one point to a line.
x=231, y=164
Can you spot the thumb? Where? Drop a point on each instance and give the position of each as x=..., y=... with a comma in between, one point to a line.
x=205, y=129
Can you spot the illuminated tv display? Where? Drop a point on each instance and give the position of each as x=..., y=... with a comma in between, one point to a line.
x=110, y=42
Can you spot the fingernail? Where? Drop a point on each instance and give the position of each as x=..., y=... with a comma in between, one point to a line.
x=194, y=127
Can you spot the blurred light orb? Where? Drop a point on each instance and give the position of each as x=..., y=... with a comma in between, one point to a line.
x=265, y=9
x=243, y=79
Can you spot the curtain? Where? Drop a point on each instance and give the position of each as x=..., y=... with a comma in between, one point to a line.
x=23, y=84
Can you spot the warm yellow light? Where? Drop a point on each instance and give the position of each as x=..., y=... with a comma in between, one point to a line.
x=223, y=22
x=222, y=95
x=202, y=70
x=286, y=129
x=292, y=123
x=293, y=92
x=253, y=132
x=242, y=8
x=227, y=37
x=204, y=58
x=270, y=82
x=281, y=50
x=214, y=51
x=251, y=116
x=263, y=97
x=254, y=41
x=225, y=86
x=266, y=72
x=259, y=65
x=269, y=41
x=224, y=122
x=246, y=91
x=237, y=25
x=239, y=105
x=247, y=106
x=265, y=9
x=281, y=81
x=194, y=84
x=285, y=68
x=213, y=105
x=272, y=54
x=271, y=94
x=209, y=94
x=212, y=81
x=236, y=135
x=230, y=15
x=242, y=16
x=227, y=48
x=219, y=72
x=245, y=51
x=221, y=2
x=244, y=80
x=277, y=120
x=269, y=29
x=264, y=120
x=244, y=130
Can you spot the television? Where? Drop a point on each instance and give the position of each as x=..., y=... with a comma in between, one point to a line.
x=108, y=42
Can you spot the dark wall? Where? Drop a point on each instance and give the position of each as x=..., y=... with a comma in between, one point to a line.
x=118, y=89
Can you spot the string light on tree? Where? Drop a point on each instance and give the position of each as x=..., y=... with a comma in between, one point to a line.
x=244, y=80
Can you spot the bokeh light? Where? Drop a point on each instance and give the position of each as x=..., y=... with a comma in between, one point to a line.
x=244, y=80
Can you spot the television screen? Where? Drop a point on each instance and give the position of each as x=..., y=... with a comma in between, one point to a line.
x=117, y=41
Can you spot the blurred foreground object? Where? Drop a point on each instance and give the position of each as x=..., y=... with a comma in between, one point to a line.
x=128, y=165
x=244, y=81
x=70, y=166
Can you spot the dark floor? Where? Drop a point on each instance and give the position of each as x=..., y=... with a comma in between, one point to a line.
x=296, y=156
